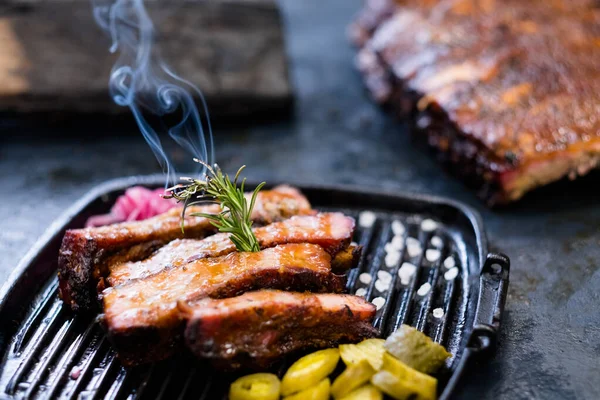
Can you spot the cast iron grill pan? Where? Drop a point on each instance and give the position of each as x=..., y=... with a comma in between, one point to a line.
x=49, y=352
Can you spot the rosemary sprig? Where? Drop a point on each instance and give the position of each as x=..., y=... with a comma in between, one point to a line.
x=235, y=215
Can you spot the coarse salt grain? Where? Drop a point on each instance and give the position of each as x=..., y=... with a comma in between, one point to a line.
x=413, y=247
x=424, y=289
x=411, y=241
x=432, y=255
x=365, y=278
x=451, y=274
x=366, y=219
x=378, y=302
x=437, y=241
x=397, y=242
x=389, y=248
x=382, y=286
x=398, y=228
x=406, y=271
x=438, y=313
x=362, y=292
x=384, y=276
x=449, y=262
x=391, y=259
x=429, y=225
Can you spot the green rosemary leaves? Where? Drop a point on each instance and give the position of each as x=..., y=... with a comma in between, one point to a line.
x=236, y=211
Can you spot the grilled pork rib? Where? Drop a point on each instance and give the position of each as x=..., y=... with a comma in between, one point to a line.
x=332, y=231
x=507, y=92
x=257, y=328
x=141, y=316
x=87, y=255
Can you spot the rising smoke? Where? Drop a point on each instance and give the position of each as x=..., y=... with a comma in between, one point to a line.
x=141, y=81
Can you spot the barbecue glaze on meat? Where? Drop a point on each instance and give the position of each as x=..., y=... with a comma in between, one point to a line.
x=507, y=92
x=87, y=255
x=257, y=328
x=141, y=316
x=332, y=231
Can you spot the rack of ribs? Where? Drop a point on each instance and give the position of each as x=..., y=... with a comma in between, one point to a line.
x=506, y=92
x=88, y=255
x=258, y=328
x=141, y=316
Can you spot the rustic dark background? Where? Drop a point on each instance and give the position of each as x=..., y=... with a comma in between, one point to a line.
x=550, y=342
x=55, y=59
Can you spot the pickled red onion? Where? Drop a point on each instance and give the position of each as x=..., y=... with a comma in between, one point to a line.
x=136, y=204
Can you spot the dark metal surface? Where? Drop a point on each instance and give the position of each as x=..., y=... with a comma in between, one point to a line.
x=549, y=345
x=48, y=352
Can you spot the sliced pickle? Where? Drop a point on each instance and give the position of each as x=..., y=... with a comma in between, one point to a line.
x=366, y=392
x=309, y=370
x=371, y=350
x=261, y=386
x=416, y=350
x=354, y=376
x=402, y=382
x=318, y=392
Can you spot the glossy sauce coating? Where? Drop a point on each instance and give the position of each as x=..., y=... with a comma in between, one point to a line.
x=153, y=301
x=332, y=231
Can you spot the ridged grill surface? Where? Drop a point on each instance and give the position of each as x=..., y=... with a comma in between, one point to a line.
x=56, y=354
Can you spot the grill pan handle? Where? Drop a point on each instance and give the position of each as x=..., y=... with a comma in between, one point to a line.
x=493, y=285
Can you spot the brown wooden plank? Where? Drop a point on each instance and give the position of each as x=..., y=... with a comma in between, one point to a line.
x=53, y=57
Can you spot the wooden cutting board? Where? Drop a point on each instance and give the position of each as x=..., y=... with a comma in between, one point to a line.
x=54, y=58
